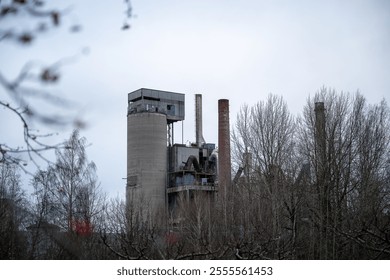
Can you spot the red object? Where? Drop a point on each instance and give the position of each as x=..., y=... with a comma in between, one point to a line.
x=171, y=238
x=82, y=228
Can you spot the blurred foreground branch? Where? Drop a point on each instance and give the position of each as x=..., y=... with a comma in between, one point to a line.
x=28, y=97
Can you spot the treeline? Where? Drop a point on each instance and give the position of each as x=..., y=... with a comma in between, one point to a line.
x=316, y=186
x=60, y=218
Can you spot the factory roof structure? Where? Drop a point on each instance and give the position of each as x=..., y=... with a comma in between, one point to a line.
x=168, y=103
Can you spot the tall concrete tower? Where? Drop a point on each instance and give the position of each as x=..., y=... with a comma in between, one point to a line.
x=149, y=113
x=320, y=140
x=198, y=121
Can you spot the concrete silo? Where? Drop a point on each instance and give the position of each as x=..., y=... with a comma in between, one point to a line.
x=147, y=156
x=149, y=114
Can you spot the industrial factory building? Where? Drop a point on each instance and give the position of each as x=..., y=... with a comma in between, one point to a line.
x=162, y=172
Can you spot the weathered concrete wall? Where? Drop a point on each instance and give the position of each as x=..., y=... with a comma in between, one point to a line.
x=147, y=159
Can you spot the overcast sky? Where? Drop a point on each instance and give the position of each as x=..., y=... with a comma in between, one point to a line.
x=239, y=50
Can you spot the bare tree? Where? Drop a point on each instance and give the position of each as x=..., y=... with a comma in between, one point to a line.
x=13, y=218
x=346, y=143
x=264, y=141
x=130, y=231
x=318, y=189
x=68, y=196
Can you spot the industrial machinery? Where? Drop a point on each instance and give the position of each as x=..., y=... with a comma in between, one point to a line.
x=158, y=170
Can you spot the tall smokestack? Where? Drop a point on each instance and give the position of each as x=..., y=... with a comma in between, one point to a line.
x=198, y=120
x=320, y=139
x=224, y=160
